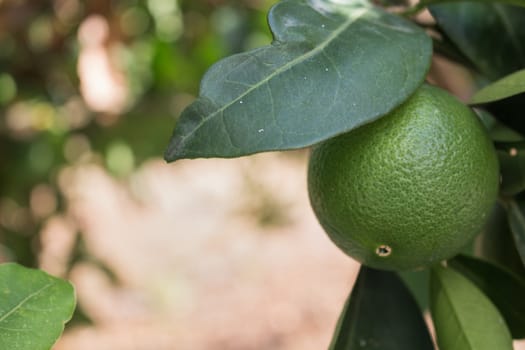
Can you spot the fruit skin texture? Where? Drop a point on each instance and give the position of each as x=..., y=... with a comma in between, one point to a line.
x=410, y=189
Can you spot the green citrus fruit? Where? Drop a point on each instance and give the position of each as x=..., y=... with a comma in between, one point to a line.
x=410, y=189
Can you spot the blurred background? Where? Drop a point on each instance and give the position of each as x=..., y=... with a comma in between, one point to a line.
x=204, y=254
x=201, y=254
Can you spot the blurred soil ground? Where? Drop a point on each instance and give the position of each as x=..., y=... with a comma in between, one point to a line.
x=206, y=254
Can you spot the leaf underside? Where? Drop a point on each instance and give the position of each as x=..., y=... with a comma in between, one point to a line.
x=463, y=316
x=504, y=289
x=331, y=68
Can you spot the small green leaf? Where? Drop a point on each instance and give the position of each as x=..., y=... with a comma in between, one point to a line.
x=34, y=308
x=464, y=318
x=517, y=225
x=490, y=34
x=380, y=314
x=510, y=85
x=503, y=288
x=331, y=68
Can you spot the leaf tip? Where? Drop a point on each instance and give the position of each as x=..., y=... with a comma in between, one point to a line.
x=175, y=149
x=171, y=155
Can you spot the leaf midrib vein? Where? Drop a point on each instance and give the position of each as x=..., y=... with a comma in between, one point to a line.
x=454, y=313
x=23, y=301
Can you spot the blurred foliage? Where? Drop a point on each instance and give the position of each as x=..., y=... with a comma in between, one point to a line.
x=99, y=82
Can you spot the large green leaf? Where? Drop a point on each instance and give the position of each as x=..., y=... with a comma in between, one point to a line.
x=331, y=68
x=34, y=307
x=491, y=35
x=516, y=212
x=503, y=288
x=381, y=314
x=464, y=318
x=510, y=85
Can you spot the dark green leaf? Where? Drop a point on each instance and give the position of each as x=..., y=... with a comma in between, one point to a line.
x=509, y=112
x=517, y=225
x=424, y=3
x=34, y=307
x=393, y=2
x=491, y=35
x=496, y=243
x=331, y=68
x=443, y=46
x=497, y=130
x=417, y=282
x=510, y=85
x=504, y=289
x=511, y=156
x=464, y=318
x=380, y=314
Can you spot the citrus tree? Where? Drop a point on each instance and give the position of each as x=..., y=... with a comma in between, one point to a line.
x=402, y=176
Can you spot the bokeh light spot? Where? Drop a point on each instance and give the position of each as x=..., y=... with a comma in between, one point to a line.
x=76, y=148
x=120, y=159
x=40, y=156
x=7, y=88
x=40, y=34
x=134, y=21
x=43, y=201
